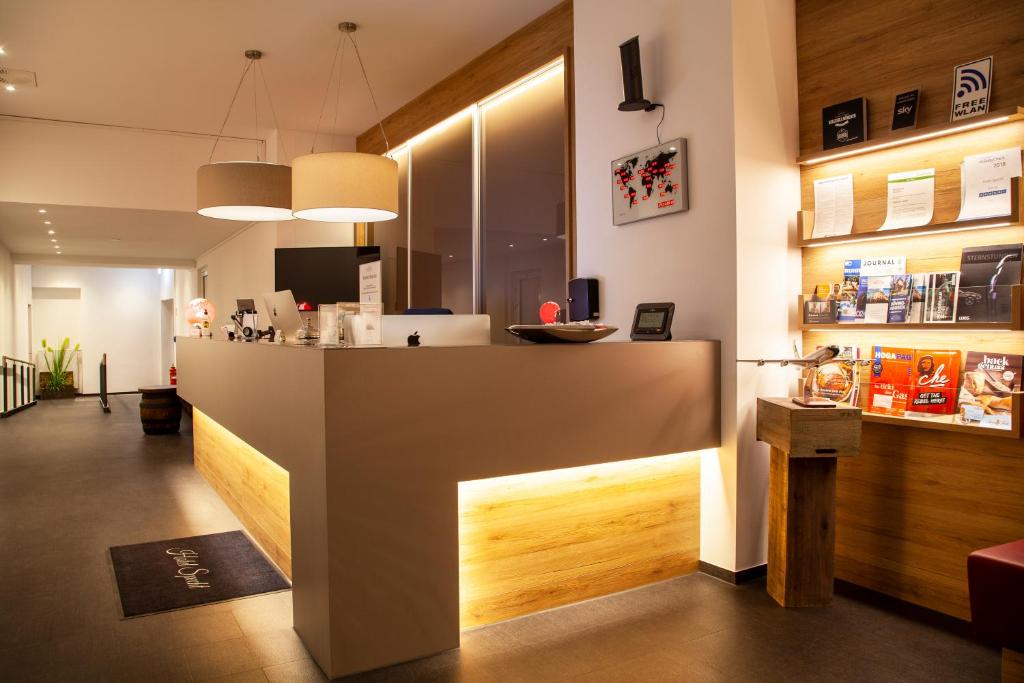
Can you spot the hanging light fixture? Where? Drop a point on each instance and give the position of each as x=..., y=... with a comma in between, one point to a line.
x=245, y=190
x=345, y=187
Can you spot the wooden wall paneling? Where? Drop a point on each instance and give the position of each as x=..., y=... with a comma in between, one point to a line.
x=877, y=48
x=252, y=485
x=915, y=503
x=537, y=541
x=543, y=40
x=870, y=172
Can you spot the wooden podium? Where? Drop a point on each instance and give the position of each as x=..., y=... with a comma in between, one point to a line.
x=802, y=495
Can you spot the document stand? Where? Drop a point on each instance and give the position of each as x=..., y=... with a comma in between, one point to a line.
x=806, y=444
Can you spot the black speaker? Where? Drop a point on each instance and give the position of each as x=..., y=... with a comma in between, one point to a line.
x=584, y=303
x=632, y=77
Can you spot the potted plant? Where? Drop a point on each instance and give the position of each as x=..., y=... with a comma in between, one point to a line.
x=57, y=381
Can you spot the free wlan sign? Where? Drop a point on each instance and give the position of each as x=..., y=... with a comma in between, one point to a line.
x=972, y=83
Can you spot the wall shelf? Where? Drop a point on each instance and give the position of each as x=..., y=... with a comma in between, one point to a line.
x=914, y=135
x=948, y=426
x=1015, y=323
x=805, y=225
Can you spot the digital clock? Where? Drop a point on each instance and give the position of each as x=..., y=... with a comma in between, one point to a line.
x=653, y=322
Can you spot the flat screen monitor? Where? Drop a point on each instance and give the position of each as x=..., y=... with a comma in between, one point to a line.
x=321, y=275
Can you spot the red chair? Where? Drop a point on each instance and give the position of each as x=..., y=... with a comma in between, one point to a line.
x=995, y=578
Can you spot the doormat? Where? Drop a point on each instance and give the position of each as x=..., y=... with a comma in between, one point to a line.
x=185, y=572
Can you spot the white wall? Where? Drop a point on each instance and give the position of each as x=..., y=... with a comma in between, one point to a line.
x=695, y=258
x=6, y=303
x=768, y=260
x=119, y=316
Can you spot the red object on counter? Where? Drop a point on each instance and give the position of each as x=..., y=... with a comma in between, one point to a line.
x=549, y=311
x=173, y=375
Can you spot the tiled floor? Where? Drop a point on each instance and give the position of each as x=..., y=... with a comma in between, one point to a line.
x=74, y=481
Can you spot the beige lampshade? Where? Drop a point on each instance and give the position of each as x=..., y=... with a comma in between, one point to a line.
x=345, y=187
x=245, y=191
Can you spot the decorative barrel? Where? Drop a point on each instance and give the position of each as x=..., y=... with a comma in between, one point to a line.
x=160, y=410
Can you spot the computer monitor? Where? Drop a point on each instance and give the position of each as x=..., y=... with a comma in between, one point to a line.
x=284, y=314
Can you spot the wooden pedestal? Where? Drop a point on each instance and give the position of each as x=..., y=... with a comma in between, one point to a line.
x=1013, y=666
x=806, y=443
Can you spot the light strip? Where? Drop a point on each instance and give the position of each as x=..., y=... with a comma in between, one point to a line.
x=905, y=141
x=875, y=238
x=897, y=327
x=523, y=84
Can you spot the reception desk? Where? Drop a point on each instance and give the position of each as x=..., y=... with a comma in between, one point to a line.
x=411, y=493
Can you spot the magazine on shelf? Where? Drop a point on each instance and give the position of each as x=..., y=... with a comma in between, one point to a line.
x=940, y=305
x=986, y=396
x=876, y=300
x=919, y=290
x=820, y=312
x=885, y=265
x=848, y=289
x=986, y=276
x=934, y=379
x=899, y=298
x=838, y=380
x=890, y=380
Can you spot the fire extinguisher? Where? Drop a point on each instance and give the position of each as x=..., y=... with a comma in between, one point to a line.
x=174, y=375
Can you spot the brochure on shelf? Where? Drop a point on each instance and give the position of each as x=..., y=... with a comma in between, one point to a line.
x=986, y=396
x=911, y=199
x=833, y=206
x=985, y=183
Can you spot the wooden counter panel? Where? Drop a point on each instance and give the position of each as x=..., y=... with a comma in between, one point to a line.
x=249, y=483
x=536, y=541
x=915, y=503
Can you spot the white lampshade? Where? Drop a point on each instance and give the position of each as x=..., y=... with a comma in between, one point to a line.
x=345, y=187
x=245, y=191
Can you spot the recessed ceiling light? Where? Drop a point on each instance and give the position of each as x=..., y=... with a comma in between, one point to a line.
x=58, y=253
x=47, y=222
x=543, y=239
x=9, y=87
x=53, y=240
x=2, y=51
x=56, y=246
x=451, y=255
x=42, y=210
x=50, y=232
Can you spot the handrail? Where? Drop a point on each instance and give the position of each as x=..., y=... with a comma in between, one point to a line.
x=18, y=379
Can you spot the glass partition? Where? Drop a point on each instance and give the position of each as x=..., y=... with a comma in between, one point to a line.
x=519, y=261
x=393, y=239
x=523, y=222
x=441, y=216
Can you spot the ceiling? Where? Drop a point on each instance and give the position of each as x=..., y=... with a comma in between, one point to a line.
x=116, y=235
x=174, y=65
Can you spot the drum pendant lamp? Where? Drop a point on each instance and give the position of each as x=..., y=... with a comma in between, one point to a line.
x=345, y=187
x=245, y=190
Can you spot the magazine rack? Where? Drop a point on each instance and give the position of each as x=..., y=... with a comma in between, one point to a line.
x=947, y=423
x=806, y=444
x=1015, y=323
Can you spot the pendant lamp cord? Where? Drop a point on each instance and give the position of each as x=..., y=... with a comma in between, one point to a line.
x=255, y=114
x=341, y=76
x=273, y=112
x=327, y=91
x=380, y=120
x=241, y=79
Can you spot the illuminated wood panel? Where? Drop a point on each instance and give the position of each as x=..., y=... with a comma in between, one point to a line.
x=870, y=173
x=543, y=40
x=536, y=541
x=839, y=58
x=252, y=485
